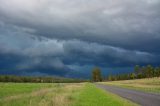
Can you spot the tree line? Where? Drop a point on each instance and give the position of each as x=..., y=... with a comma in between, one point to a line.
x=32, y=79
x=139, y=72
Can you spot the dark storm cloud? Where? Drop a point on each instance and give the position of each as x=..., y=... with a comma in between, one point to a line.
x=136, y=23
x=59, y=36
x=24, y=65
x=94, y=53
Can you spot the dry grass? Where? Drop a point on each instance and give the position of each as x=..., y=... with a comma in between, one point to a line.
x=65, y=98
x=33, y=94
x=81, y=94
x=60, y=95
x=147, y=84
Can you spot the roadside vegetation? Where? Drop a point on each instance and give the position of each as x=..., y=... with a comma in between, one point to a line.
x=57, y=94
x=93, y=96
x=147, y=84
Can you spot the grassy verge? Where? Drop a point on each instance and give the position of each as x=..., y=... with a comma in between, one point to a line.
x=93, y=96
x=146, y=85
x=40, y=94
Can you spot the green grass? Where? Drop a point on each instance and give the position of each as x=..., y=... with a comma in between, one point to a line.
x=147, y=85
x=38, y=94
x=93, y=96
x=51, y=94
x=8, y=89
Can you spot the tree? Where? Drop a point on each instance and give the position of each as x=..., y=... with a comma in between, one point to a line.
x=132, y=76
x=96, y=74
x=149, y=71
x=157, y=72
x=137, y=69
x=110, y=78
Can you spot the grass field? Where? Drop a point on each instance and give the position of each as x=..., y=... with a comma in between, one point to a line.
x=147, y=85
x=51, y=94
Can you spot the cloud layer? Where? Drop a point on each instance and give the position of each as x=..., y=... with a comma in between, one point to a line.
x=68, y=38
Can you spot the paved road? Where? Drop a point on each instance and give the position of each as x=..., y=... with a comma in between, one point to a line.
x=142, y=98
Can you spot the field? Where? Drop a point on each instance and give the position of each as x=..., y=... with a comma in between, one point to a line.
x=52, y=94
x=147, y=85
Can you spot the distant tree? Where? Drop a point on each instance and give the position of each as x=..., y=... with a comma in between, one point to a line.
x=110, y=77
x=139, y=72
x=157, y=72
x=12, y=78
x=137, y=69
x=149, y=71
x=96, y=74
x=143, y=72
x=139, y=76
x=132, y=76
x=2, y=78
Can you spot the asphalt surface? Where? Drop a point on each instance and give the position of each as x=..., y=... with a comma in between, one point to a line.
x=139, y=97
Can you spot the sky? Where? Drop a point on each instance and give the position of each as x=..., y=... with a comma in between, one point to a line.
x=68, y=38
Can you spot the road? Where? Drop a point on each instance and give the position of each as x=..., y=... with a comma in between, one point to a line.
x=141, y=98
